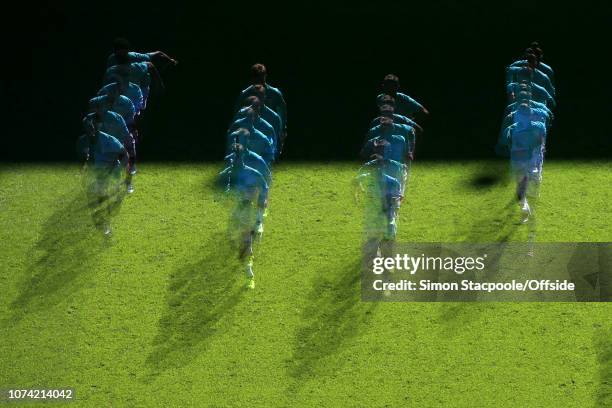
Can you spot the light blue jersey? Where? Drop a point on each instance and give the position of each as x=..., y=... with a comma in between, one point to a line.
x=520, y=73
x=266, y=114
x=274, y=101
x=541, y=66
x=538, y=93
x=121, y=105
x=526, y=146
x=106, y=150
x=407, y=132
x=399, y=119
x=250, y=159
x=248, y=181
x=531, y=114
x=404, y=104
x=132, y=91
x=391, y=186
x=136, y=72
x=389, y=146
x=257, y=142
x=532, y=104
x=112, y=123
x=132, y=57
x=260, y=124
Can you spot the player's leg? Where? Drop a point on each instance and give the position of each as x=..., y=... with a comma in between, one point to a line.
x=100, y=195
x=520, y=164
x=391, y=210
x=522, y=186
x=262, y=204
x=247, y=196
x=130, y=146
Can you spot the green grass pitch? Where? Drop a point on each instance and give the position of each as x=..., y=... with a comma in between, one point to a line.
x=157, y=315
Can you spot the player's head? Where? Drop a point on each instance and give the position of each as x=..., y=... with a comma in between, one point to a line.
x=391, y=84
x=523, y=107
x=386, y=124
x=121, y=47
x=536, y=49
x=120, y=81
x=379, y=148
x=241, y=142
x=259, y=91
x=387, y=110
x=237, y=147
x=524, y=96
x=255, y=104
x=524, y=85
x=524, y=113
x=251, y=101
x=101, y=108
x=259, y=74
x=250, y=114
x=386, y=100
x=532, y=61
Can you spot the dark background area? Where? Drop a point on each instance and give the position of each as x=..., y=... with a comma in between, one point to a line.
x=328, y=61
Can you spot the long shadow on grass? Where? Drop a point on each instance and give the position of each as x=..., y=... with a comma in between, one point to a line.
x=60, y=259
x=603, y=344
x=499, y=226
x=334, y=315
x=199, y=296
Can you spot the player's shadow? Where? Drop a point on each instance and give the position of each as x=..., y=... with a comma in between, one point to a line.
x=500, y=227
x=198, y=297
x=60, y=260
x=335, y=314
x=489, y=175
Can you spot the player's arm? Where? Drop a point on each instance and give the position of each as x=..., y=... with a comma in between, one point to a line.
x=419, y=106
x=509, y=75
x=507, y=121
x=231, y=140
x=510, y=90
x=413, y=124
x=270, y=150
x=367, y=149
x=122, y=129
x=549, y=98
x=83, y=149
x=282, y=107
x=93, y=103
x=410, y=144
x=374, y=122
x=267, y=173
x=155, y=75
x=163, y=56
x=551, y=115
x=103, y=90
x=547, y=83
x=543, y=134
x=503, y=143
x=274, y=137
